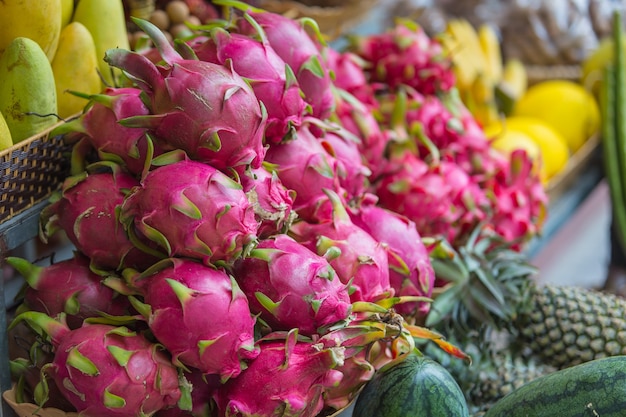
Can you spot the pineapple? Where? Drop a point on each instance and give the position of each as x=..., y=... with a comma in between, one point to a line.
x=492, y=302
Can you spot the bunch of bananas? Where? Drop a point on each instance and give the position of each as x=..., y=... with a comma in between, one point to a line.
x=488, y=85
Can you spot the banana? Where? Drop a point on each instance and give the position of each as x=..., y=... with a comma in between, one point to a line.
x=39, y=20
x=28, y=98
x=463, y=44
x=514, y=78
x=75, y=68
x=485, y=108
x=490, y=45
x=5, y=135
x=106, y=22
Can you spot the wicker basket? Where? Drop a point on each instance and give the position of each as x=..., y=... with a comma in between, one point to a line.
x=334, y=18
x=30, y=171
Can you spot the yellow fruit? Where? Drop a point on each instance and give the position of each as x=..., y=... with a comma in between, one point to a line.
x=106, y=22
x=566, y=106
x=592, y=68
x=554, y=150
x=490, y=45
x=461, y=40
x=75, y=68
x=5, y=135
x=28, y=98
x=67, y=10
x=39, y=20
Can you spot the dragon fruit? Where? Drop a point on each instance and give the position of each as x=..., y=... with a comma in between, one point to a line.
x=353, y=171
x=68, y=287
x=410, y=270
x=350, y=75
x=205, y=109
x=191, y=209
x=177, y=295
x=441, y=198
x=362, y=260
x=406, y=55
x=202, y=388
x=291, y=41
x=86, y=210
x=357, y=119
x=287, y=378
x=273, y=81
x=107, y=371
x=357, y=371
x=305, y=166
x=127, y=146
x=272, y=201
x=292, y=287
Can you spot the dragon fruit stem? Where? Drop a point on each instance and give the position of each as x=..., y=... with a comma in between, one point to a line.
x=42, y=322
x=30, y=272
x=167, y=51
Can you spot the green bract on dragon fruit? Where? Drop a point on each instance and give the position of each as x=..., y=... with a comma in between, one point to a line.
x=257, y=211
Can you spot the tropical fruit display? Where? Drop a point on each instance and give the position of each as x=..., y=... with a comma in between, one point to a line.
x=264, y=224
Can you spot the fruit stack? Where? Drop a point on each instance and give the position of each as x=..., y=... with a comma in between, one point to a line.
x=253, y=215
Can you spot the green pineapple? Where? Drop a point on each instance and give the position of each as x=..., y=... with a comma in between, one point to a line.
x=491, y=291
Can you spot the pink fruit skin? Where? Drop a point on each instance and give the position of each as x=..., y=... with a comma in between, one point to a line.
x=362, y=262
x=147, y=382
x=281, y=380
x=258, y=62
x=305, y=166
x=52, y=286
x=272, y=201
x=191, y=209
x=292, y=43
x=181, y=323
x=305, y=287
x=410, y=270
x=86, y=212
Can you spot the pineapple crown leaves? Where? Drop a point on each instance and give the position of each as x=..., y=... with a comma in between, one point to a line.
x=487, y=284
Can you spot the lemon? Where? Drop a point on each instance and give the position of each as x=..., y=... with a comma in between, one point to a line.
x=554, y=150
x=5, y=135
x=565, y=105
x=510, y=140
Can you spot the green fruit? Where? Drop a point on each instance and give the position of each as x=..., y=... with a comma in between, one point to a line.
x=28, y=98
x=595, y=388
x=5, y=136
x=417, y=386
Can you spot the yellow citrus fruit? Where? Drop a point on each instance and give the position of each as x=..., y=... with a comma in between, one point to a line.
x=565, y=105
x=510, y=140
x=553, y=146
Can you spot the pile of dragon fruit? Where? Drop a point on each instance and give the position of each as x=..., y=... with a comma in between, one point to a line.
x=252, y=213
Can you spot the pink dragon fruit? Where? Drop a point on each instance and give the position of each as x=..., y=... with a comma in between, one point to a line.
x=107, y=371
x=273, y=81
x=86, y=210
x=362, y=260
x=406, y=55
x=410, y=270
x=272, y=201
x=178, y=293
x=519, y=201
x=359, y=120
x=305, y=166
x=353, y=171
x=357, y=371
x=350, y=75
x=292, y=287
x=191, y=209
x=68, y=287
x=291, y=41
x=202, y=390
x=130, y=147
x=441, y=198
x=287, y=378
x=205, y=109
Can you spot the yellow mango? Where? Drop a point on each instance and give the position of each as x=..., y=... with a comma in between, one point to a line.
x=39, y=20
x=5, y=135
x=106, y=21
x=67, y=10
x=28, y=97
x=75, y=68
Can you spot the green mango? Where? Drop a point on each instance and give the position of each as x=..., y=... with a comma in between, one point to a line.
x=28, y=98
